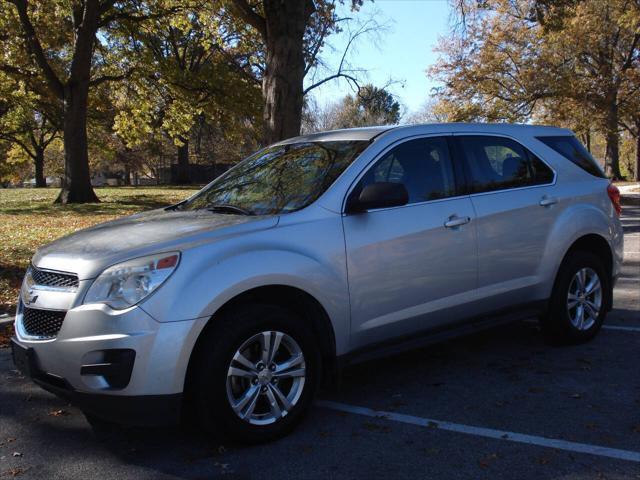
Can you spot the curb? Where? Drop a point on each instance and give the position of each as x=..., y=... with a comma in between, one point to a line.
x=7, y=320
x=628, y=189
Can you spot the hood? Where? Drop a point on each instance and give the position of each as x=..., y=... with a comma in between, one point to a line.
x=87, y=252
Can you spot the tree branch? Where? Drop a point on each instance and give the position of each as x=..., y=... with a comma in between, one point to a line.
x=12, y=138
x=35, y=48
x=630, y=57
x=110, y=78
x=14, y=71
x=333, y=77
x=368, y=27
x=316, y=49
x=105, y=20
x=250, y=16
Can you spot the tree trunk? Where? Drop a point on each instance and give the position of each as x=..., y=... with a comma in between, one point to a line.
x=282, y=85
x=636, y=173
x=612, y=138
x=182, y=176
x=127, y=174
x=76, y=187
x=637, y=166
x=41, y=182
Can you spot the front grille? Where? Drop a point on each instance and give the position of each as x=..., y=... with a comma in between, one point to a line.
x=42, y=323
x=54, y=279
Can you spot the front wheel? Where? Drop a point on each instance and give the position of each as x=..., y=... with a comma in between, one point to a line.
x=257, y=373
x=578, y=303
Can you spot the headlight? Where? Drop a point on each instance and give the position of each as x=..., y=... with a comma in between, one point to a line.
x=125, y=284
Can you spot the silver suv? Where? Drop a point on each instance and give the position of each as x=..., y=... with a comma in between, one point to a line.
x=232, y=306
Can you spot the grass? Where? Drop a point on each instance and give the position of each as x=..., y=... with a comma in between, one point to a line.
x=29, y=218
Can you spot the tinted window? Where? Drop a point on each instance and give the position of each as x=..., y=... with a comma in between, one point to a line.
x=497, y=163
x=423, y=166
x=571, y=148
x=279, y=179
x=541, y=172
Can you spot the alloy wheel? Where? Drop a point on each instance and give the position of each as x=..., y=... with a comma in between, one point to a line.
x=584, y=299
x=266, y=377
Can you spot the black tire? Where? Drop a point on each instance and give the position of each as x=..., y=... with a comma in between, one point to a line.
x=556, y=325
x=208, y=385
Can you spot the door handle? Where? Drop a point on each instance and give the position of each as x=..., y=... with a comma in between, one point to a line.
x=548, y=201
x=455, y=221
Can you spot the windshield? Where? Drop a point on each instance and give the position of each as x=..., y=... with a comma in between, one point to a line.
x=278, y=179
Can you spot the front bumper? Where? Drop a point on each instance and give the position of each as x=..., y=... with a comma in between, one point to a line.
x=123, y=366
x=146, y=410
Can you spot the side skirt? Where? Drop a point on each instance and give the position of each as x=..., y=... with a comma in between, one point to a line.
x=441, y=334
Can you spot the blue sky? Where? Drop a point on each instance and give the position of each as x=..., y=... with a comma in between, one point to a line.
x=400, y=53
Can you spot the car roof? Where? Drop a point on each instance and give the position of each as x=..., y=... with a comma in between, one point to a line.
x=369, y=133
x=363, y=133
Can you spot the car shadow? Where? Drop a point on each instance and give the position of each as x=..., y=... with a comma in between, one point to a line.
x=424, y=375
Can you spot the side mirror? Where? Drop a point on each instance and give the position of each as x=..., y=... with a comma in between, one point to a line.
x=378, y=195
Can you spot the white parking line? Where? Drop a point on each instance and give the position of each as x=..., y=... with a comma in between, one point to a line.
x=486, y=432
x=621, y=328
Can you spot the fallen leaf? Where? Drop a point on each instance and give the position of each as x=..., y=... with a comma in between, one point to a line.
x=58, y=413
x=14, y=472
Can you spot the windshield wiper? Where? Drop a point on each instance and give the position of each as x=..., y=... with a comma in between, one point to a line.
x=177, y=206
x=228, y=208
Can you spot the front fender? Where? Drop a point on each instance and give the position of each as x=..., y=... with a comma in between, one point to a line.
x=205, y=281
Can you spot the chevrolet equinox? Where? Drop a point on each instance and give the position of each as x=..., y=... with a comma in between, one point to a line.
x=231, y=306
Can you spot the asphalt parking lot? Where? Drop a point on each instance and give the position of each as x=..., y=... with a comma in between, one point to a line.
x=499, y=404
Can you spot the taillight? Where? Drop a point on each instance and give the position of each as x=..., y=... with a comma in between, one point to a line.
x=614, y=195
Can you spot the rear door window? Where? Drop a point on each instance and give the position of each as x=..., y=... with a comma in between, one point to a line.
x=423, y=166
x=572, y=149
x=498, y=163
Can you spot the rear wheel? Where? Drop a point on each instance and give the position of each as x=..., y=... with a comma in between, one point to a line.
x=579, y=299
x=256, y=374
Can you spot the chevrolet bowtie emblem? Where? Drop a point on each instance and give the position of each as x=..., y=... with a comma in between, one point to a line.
x=30, y=298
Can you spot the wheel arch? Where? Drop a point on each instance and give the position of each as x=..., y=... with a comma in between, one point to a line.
x=286, y=296
x=598, y=245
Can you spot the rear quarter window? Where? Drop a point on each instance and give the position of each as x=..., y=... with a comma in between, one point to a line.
x=572, y=149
